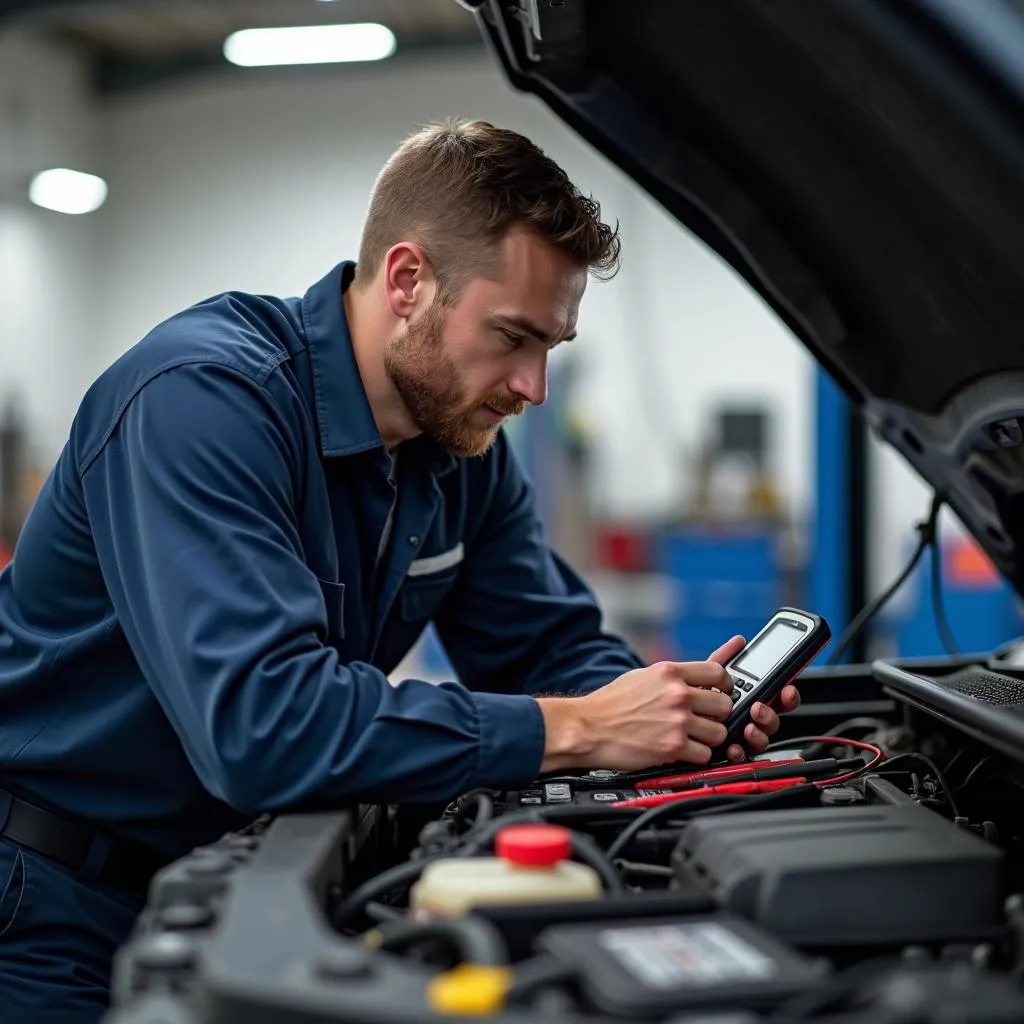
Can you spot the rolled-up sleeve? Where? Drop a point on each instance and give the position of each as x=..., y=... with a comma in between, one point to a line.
x=520, y=620
x=193, y=498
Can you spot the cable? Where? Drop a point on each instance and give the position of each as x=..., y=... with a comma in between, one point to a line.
x=858, y=722
x=476, y=940
x=934, y=769
x=381, y=912
x=534, y=974
x=879, y=757
x=635, y=827
x=585, y=849
x=827, y=740
x=842, y=741
x=974, y=771
x=797, y=741
x=643, y=870
x=401, y=874
x=697, y=807
x=952, y=761
x=481, y=801
x=480, y=836
x=926, y=532
x=700, y=807
x=938, y=606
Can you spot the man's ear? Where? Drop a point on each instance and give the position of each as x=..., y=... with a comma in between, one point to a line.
x=409, y=282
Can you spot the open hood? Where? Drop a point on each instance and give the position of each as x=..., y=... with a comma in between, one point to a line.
x=861, y=164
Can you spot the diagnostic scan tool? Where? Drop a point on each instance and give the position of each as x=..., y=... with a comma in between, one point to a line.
x=773, y=659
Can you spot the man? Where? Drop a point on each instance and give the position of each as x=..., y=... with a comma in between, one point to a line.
x=260, y=507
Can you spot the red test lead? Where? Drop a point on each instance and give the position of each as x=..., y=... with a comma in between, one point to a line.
x=714, y=774
x=756, y=771
x=725, y=789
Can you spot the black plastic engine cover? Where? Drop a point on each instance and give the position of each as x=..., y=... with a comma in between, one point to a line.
x=840, y=875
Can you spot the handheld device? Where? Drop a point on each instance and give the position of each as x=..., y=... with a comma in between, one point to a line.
x=774, y=658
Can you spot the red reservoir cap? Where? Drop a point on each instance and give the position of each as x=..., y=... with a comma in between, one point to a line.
x=534, y=846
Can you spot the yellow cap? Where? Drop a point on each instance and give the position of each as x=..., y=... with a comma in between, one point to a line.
x=470, y=989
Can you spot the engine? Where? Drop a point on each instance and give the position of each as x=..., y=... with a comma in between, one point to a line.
x=867, y=869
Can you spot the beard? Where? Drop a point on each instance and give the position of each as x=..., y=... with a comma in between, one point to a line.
x=428, y=380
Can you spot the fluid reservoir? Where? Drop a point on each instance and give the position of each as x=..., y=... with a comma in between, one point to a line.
x=531, y=866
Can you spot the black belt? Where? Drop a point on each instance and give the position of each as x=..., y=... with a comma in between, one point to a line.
x=127, y=864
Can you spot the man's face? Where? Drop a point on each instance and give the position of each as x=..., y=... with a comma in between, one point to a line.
x=461, y=369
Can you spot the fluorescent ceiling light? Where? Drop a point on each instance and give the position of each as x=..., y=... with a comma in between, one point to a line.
x=67, y=191
x=312, y=44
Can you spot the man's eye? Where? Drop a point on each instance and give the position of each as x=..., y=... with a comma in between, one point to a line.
x=514, y=340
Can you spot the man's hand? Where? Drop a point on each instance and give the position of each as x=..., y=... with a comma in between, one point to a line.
x=764, y=720
x=669, y=711
x=665, y=712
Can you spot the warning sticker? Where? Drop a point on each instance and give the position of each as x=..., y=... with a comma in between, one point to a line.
x=679, y=955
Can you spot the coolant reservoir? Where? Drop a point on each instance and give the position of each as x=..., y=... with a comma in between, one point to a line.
x=531, y=866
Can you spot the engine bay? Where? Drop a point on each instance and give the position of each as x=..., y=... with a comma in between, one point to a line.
x=867, y=868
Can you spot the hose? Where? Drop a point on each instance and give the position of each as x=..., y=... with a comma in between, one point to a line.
x=475, y=940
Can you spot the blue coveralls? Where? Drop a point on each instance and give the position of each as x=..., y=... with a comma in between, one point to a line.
x=195, y=630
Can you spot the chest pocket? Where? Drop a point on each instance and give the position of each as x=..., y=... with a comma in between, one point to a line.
x=334, y=603
x=429, y=581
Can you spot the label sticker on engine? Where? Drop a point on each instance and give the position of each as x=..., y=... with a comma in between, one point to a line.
x=680, y=955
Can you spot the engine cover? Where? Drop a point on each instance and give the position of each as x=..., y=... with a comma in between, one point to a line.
x=843, y=875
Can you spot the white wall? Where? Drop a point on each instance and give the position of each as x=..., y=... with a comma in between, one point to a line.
x=46, y=259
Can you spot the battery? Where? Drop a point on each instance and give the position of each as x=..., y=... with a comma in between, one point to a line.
x=652, y=966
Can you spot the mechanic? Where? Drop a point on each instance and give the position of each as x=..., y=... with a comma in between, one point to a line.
x=260, y=507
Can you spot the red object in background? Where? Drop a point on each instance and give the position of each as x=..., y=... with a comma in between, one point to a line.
x=967, y=566
x=6, y=554
x=622, y=548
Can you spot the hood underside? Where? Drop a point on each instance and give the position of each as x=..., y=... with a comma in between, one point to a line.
x=861, y=164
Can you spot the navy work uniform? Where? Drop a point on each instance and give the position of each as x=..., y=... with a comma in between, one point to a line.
x=196, y=626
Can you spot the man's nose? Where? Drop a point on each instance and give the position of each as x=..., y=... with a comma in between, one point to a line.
x=531, y=381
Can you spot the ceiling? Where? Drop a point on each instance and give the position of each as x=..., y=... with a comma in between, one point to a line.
x=133, y=43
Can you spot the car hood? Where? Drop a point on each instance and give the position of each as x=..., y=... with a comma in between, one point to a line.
x=861, y=164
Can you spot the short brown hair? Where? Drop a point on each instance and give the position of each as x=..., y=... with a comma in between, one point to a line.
x=457, y=187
